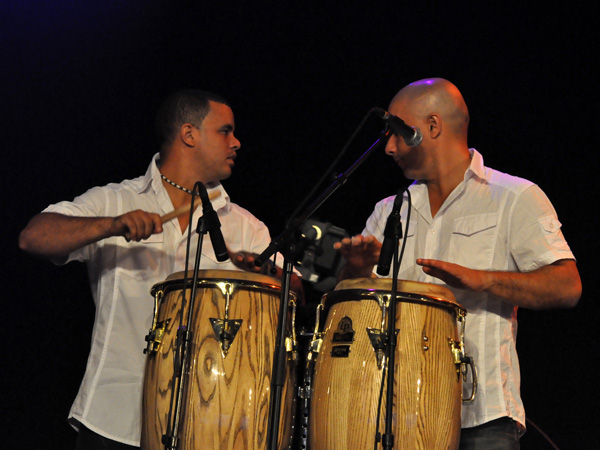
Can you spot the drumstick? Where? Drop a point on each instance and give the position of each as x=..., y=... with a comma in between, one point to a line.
x=185, y=208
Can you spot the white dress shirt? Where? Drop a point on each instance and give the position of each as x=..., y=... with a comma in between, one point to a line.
x=121, y=275
x=491, y=221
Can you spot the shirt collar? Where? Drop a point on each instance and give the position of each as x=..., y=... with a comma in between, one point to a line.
x=476, y=167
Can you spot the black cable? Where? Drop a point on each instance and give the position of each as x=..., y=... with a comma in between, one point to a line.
x=405, y=232
x=544, y=435
x=178, y=360
x=332, y=165
x=377, y=437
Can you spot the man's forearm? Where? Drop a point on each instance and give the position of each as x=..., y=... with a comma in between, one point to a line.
x=55, y=236
x=557, y=285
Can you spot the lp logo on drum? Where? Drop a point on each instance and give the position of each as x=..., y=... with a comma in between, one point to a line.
x=345, y=334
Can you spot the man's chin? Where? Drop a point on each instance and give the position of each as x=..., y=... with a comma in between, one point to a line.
x=409, y=174
x=226, y=174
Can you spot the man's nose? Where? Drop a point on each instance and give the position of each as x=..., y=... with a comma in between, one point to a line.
x=390, y=146
x=235, y=143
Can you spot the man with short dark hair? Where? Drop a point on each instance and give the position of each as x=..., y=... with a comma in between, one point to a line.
x=117, y=231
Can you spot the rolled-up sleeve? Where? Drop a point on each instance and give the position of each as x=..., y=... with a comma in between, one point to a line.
x=536, y=238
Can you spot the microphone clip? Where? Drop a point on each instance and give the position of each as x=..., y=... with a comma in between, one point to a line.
x=208, y=222
x=412, y=136
x=391, y=237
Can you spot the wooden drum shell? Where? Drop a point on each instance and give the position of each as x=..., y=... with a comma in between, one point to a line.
x=427, y=388
x=226, y=398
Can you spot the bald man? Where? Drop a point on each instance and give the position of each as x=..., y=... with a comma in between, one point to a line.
x=492, y=238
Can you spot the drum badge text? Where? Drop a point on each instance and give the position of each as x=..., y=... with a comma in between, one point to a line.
x=344, y=334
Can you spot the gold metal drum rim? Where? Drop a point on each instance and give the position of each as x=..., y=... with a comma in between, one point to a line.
x=213, y=277
x=346, y=295
x=375, y=288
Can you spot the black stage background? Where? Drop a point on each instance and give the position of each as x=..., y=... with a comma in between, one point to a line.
x=81, y=82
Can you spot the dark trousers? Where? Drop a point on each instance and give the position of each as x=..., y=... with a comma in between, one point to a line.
x=88, y=440
x=499, y=434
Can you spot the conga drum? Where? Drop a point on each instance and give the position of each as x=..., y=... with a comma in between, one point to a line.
x=226, y=393
x=348, y=397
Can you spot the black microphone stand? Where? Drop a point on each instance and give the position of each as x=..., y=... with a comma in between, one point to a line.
x=387, y=439
x=206, y=223
x=285, y=244
x=279, y=359
x=279, y=244
x=393, y=231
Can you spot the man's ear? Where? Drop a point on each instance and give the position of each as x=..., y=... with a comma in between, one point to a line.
x=434, y=125
x=186, y=134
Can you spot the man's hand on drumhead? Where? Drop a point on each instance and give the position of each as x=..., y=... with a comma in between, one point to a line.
x=361, y=253
x=455, y=275
x=245, y=261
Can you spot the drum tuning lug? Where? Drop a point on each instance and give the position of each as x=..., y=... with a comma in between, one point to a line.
x=157, y=331
x=377, y=338
x=150, y=339
x=463, y=362
x=378, y=341
x=290, y=347
x=379, y=357
x=458, y=353
x=315, y=344
x=225, y=339
x=155, y=336
x=225, y=332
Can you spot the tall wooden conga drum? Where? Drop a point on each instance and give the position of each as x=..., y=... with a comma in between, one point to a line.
x=226, y=396
x=348, y=398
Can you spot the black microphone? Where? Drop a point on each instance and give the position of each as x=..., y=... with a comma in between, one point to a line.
x=214, y=225
x=391, y=236
x=412, y=136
